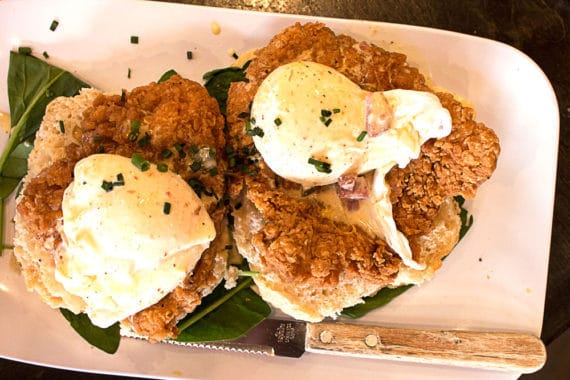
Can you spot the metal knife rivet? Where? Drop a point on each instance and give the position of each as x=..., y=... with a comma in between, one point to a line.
x=371, y=340
x=326, y=336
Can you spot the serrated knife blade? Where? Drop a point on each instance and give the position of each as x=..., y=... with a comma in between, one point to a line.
x=519, y=352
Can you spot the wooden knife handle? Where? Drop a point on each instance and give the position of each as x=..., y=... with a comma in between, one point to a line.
x=523, y=353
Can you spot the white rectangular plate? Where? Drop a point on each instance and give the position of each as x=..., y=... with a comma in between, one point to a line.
x=494, y=280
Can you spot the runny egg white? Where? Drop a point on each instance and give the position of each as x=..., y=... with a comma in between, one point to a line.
x=318, y=126
x=128, y=243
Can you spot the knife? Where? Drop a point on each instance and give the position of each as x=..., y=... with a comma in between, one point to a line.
x=509, y=351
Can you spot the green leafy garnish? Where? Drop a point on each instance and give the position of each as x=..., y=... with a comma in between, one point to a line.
x=380, y=299
x=167, y=76
x=32, y=84
x=218, y=83
x=466, y=219
x=106, y=339
x=224, y=315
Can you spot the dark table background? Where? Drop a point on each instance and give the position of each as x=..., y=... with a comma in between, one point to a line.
x=541, y=29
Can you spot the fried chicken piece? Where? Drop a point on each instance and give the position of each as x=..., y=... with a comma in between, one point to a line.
x=306, y=249
x=177, y=116
x=454, y=165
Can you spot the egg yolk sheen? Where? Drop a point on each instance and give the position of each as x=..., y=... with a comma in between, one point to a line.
x=319, y=126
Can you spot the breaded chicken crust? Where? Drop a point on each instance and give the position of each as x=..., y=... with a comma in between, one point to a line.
x=303, y=248
x=176, y=116
x=455, y=165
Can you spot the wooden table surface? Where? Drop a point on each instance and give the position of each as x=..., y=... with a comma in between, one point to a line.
x=540, y=28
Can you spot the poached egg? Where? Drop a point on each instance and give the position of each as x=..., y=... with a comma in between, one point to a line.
x=319, y=127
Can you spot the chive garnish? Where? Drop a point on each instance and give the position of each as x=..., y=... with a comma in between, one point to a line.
x=97, y=139
x=134, y=39
x=166, y=153
x=189, y=54
x=234, y=55
x=361, y=136
x=336, y=110
x=123, y=96
x=213, y=172
x=180, y=149
x=140, y=162
x=26, y=50
x=107, y=186
x=326, y=113
x=129, y=73
x=134, y=133
x=120, y=180
x=166, y=208
x=53, y=25
x=195, y=166
x=243, y=115
x=321, y=166
x=328, y=122
x=61, y=126
x=162, y=167
x=45, y=54
x=194, y=149
x=144, y=141
x=277, y=122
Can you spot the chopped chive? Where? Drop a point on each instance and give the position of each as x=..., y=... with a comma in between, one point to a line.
x=129, y=73
x=252, y=120
x=194, y=149
x=234, y=55
x=61, y=126
x=166, y=153
x=134, y=133
x=361, y=136
x=107, y=186
x=277, y=121
x=213, y=172
x=162, y=167
x=140, y=162
x=134, y=39
x=45, y=54
x=189, y=54
x=53, y=25
x=336, y=110
x=211, y=153
x=120, y=180
x=97, y=139
x=101, y=149
x=180, y=149
x=328, y=122
x=321, y=166
x=166, y=208
x=326, y=113
x=144, y=141
x=195, y=166
x=26, y=50
x=243, y=115
x=123, y=96
x=323, y=119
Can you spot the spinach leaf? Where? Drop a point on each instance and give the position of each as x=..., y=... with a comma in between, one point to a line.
x=164, y=77
x=105, y=339
x=380, y=299
x=466, y=219
x=218, y=83
x=224, y=315
x=386, y=295
x=32, y=84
